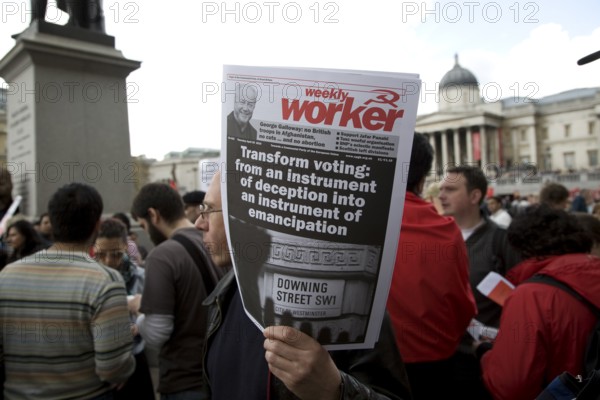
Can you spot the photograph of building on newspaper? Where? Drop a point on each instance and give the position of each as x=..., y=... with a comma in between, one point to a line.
x=315, y=179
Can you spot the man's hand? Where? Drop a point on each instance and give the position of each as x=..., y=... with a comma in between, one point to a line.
x=133, y=303
x=301, y=363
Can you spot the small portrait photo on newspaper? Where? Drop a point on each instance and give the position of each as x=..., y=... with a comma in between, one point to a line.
x=238, y=121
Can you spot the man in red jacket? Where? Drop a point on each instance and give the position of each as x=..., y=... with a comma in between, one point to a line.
x=430, y=300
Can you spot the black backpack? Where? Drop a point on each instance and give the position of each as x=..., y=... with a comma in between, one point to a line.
x=566, y=386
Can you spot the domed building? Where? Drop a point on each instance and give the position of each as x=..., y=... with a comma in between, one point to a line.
x=459, y=89
x=520, y=142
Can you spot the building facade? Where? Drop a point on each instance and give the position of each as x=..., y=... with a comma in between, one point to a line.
x=3, y=128
x=520, y=142
x=182, y=168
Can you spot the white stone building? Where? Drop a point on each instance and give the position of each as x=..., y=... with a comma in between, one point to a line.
x=3, y=128
x=520, y=142
x=182, y=167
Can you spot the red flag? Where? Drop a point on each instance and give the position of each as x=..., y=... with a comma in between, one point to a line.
x=476, y=146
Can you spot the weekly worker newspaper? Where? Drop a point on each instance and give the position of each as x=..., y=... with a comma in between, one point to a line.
x=316, y=165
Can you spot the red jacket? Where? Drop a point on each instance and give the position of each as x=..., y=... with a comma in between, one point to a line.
x=543, y=329
x=430, y=301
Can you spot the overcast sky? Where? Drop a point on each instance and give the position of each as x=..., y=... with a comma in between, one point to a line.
x=522, y=48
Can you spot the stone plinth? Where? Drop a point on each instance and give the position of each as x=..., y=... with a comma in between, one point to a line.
x=67, y=115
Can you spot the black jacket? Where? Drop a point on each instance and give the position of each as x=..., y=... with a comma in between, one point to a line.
x=488, y=251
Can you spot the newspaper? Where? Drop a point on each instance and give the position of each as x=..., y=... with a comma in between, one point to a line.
x=479, y=331
x=316, y=164
x=496, y=287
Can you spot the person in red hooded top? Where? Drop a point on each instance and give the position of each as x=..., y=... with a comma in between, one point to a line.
x=543, y=329
x=430, y=301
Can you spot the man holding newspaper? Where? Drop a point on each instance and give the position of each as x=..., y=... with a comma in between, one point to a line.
x=242, y=362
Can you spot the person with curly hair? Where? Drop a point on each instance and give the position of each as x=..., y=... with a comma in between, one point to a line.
x=543, y=329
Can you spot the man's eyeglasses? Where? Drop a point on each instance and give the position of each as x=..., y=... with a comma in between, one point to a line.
x=205, y=210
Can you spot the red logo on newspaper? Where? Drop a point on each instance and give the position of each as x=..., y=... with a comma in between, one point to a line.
x=388, y=97
x=317, y=111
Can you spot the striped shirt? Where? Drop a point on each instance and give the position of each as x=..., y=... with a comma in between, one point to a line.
x=64, y=327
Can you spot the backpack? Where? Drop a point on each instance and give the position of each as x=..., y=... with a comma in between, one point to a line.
x=566, y=386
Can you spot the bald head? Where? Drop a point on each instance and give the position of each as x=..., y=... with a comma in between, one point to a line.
x=212, y=223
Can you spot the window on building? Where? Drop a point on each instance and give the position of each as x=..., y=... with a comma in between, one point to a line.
x=569, y=160
x=593, y=158
x=567, y=130
x=545, y=133
x=523, y=135
x=591, y=126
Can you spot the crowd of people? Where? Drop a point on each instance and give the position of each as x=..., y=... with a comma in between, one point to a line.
x=82, y=305
x=542, y=330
